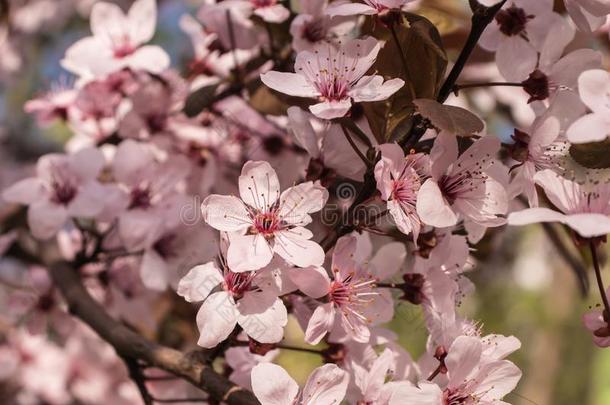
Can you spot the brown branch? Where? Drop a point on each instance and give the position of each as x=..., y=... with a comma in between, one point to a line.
x=130, y=345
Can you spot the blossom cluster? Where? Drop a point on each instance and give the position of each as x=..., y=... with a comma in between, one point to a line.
x=218, y=190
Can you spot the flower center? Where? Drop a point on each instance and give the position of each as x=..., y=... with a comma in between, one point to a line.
x=63, y=184
x=140, y=197
x=513, y=20
x=237, y=284
x=405, y=189
x=266, y=223
x=352, y=293
x=122, y=47
x=456, y=397
x=537, y=86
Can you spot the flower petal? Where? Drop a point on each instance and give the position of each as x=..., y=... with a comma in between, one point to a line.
x=199, y=282
x=272, y=385
x=216, y=319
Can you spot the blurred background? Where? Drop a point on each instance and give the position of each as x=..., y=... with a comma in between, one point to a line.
x=525, y=286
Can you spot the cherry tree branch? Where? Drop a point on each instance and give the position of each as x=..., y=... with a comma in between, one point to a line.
x=130, y=345
x=482, y=16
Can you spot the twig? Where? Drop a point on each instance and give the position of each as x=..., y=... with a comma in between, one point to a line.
x=129, y=344
x=366, y=162
x=598, y=277
x=481, y=18
x=135, y=373
x=458, y=87
x=564, y=251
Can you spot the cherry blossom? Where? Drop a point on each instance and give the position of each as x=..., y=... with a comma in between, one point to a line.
x=518, y=32
x=534, y=153
x=264, y=222
x=117, y=42
x=335, y=76
x=65, y=187
x=594, y=89
x=260, y=313
x=589, y=15
x=471, y=377
x=463, y=185
x=354, y=300
x=326, y=385
x=584, y=208
x=399, y=179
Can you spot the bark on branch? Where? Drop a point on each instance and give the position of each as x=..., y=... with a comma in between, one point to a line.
x=129, y=344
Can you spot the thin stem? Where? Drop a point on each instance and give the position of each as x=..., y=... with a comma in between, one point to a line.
x=436, y=372
x=355, y=129
x=355, y=147
x=459, y=87
x=286, y=347
x=598, y=276
x=481, y=18
x=565, y=251
x=403, y=59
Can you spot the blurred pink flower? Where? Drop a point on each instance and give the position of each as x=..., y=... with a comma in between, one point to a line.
x=594, y=90
x=117, y=42
x=65, y=187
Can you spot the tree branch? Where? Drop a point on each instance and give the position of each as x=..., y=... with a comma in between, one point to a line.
x=482, y=16
x=131, y=345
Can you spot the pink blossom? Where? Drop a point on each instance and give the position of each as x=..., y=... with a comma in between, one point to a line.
x=326, y=144
x=556, y=72
x=584, y=208
x=399, y=179
x=354, y=301
x=117, y=42
x=326, y=385
x=588, y=15
x=260, y=313
x=534, y=153
x=462, y=186
x=51, y=106
x=263, y=222
x=313, y=25
x=517, y=33
x=209, y=66
x=594, y=90
x=335, y=76
x=366, y=7
x=242, y=361
x=149, y=205
x=65, y=187
x=471, y=378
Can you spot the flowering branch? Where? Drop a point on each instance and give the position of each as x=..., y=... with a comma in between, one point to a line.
x=131, y=345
